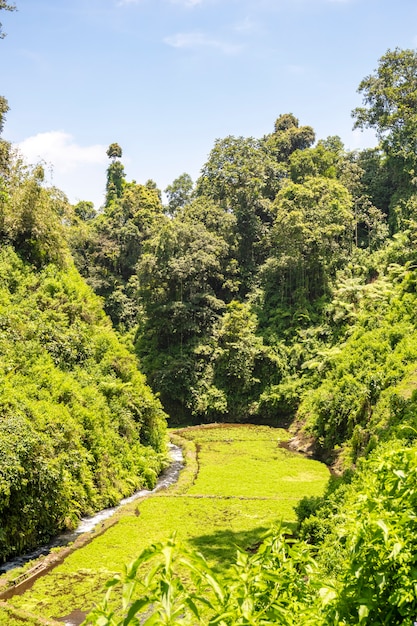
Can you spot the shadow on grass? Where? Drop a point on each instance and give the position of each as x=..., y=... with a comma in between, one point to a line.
x=220, y=548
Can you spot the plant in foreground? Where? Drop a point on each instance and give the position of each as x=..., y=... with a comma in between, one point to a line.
x=178, y=587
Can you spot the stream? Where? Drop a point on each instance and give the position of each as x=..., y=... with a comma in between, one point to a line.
x=168, y=477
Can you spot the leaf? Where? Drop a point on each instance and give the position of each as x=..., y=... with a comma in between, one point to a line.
x=193, y=607
x=363, y=612
x=327, y=595
x=144, y=556
x=135, y=608
x=384, y=528
x=114, y=581
x=396, y=550
x=215, y=585
x=167, y=551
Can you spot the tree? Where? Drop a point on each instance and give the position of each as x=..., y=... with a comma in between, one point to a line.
x=4, y=107
x=85, y=210
x=181, y=275
x=107, y=248
x=4, y=6
x=32, y=218
x=4, y=145
x=311, y=237
x=243, y=178
x=321, y=160
x=390, y=96
x=287, y=137
x=179, y=193
x=151, y=184
x=114, y=151
x=239, y=356
x=115, y=174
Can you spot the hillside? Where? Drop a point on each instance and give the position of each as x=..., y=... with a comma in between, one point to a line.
x=79, y=427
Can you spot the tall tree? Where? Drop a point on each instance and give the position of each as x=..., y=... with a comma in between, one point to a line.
x=4, y=145
x=115, y=174
x=311, y=237
x=32, y=217
x=108, y=247
x=243, y=178
x=390, y=98
x=182, y=276
x=287, y=137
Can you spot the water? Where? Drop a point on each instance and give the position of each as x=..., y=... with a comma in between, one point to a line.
x=87, y=524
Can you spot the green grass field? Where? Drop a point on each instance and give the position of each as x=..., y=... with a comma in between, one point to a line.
x=237, y=484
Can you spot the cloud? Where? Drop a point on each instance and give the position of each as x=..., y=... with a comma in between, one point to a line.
x=60, y=149
x=77, y=170
x=200, y=40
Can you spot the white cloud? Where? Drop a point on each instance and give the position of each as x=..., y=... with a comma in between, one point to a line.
x=200, y=40
x=60, y=149
x=78, y=170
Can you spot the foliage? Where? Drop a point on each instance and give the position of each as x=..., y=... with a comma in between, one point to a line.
x=390, y=96
x=288, y=137
x=363, y=573
x=31, y=217
x=4, y=6
x=79, y=428
x=243, y=178
x=179, y=193
x=211, y=513
x=181, y=277
x=265, y=588
x=107, y=246
x=282, y=288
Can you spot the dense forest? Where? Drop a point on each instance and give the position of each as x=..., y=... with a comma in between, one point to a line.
x=279, y=288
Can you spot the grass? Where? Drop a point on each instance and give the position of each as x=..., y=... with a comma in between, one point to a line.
x=238, y=482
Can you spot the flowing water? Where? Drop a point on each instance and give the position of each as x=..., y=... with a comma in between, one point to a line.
x=87, y=524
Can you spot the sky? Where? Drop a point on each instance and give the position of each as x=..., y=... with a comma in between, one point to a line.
x=166, y=78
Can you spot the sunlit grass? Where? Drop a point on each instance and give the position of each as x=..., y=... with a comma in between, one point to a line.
x=237, y=484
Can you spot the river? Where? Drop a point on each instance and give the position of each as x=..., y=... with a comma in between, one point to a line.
x=168, y=477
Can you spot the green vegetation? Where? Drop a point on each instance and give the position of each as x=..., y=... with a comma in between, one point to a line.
x=280, y=288
x=211, y=513
x=79, y=428
x=318, y=329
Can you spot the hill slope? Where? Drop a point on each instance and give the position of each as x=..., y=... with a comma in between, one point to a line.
x=79, y=428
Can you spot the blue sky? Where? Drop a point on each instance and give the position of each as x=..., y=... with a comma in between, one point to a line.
x=165, y=78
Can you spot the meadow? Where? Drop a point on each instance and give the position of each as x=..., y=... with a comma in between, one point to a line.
x=237, y=483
